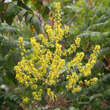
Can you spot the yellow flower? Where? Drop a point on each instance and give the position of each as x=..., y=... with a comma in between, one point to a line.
x=77, y=41
x=21, y=45
x=57, y=6
x=93, y=80
x=33, y=93
x=66, y=29
x=87, y=83
x=75, y=90
x=97, y=47
x=34, y=86
x=51, y=94
x=25, y=99
x=72, y=80
x=48, y=62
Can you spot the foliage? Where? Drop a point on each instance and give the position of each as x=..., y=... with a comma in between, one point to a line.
x=48, y=71
x=17, y=8
x=90, y=21
x=87, y=19
x=9, y=56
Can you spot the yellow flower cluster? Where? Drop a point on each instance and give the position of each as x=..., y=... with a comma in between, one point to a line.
x=43, y=39
x=21, y=45
x=66, y=29
x=51, y=94
x=76, y=61
x=37, y=95
x=86, y=70
x=56, y=67
x=72, y=82
x=91, y=81
x=76, y=89
x=57, y=19
x=77, y=42
x=56, y=34
x=44, y=66
x=74, y=46
x=72, y=49
x=25, y=99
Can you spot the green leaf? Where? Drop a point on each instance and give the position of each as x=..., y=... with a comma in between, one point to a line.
x=28, y=18
x=104, y=51
x=95, y=96
x=21, y=14
x=76, y=9
x=11, y=12
x=1, y=6
x=5, y=28
x=107, y=92
x=36, y=22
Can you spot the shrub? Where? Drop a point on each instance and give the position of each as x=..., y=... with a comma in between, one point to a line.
x=52, y=69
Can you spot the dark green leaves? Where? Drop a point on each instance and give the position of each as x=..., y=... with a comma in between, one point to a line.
x=36, y=22
x=28, y=18
x=21, y=14
x=11, y=12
